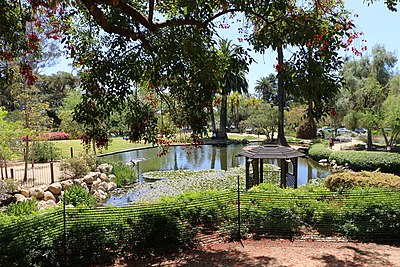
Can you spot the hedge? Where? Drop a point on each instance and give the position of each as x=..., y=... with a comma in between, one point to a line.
x=345, y=180
x=368, y=160
x=319, y=151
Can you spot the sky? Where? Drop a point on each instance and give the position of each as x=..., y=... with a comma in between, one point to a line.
x=379, y=25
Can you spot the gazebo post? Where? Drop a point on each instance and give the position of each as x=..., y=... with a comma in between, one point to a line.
x=256, y=174
x=283, y=173
x=247, y=173
x=295, y=171
x=261, y=170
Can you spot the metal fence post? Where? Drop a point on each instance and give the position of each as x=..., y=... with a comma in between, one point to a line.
x=71, y=152
x=12, y=173
x=52, y=172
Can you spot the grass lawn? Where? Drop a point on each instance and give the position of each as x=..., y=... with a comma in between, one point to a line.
x=117, y=144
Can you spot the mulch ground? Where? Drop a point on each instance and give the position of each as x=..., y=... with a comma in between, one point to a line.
x=279, y=253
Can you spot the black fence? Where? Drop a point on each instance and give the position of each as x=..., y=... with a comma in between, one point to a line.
x=33, y=176
x=97, y=236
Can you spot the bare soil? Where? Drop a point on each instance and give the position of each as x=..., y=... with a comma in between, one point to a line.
x=279, y=253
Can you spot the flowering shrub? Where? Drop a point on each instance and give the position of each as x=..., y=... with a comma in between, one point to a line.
x=57, y=136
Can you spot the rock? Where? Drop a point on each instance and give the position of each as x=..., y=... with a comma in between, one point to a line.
x=323, y=161
x=55, y=188
x=49, y=196
x=105, y=168
x=36, y=193
x=90, y=177
x=103, y=186
x=6, y=199
x=96, y=184
x=66, y=184
x=77, y=181
x=46, y=204
x=333, y=162
x=24, y=192
x=111, y=186
x=19, y=198
x=44, y=187
x=111, y=176
x=69, y=206
x=103, y=177
x=85, y=186
x=100, y=195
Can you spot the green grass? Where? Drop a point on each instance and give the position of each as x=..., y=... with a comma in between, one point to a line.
x=117, y=144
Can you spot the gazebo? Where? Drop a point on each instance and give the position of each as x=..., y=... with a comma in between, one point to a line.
x=256, y=156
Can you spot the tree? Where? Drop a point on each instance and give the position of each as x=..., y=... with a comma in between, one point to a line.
x=367, y=86
x=233, y=80
x=54, y=89
x=65, y=114
x=266, y=89
x=10, y=135
x=318, y=32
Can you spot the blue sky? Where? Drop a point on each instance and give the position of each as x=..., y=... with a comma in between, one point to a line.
x=379, y=25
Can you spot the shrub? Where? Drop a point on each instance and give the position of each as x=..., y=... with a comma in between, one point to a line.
x=74, y=167
x=368, y=160
x=57, y=136
x=79, y=196
x=345, y=180
x=124, y=174
x=45, y=152
x=158, y=232
x=319, y=151
x=22, y=208
x=8, y=186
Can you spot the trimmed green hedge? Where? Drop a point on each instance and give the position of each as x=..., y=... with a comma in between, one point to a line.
x=345, y=180
x=319, y=151
x=368, y=160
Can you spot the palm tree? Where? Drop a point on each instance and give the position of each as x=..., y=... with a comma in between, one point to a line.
x=236, y=60
x=267, y=89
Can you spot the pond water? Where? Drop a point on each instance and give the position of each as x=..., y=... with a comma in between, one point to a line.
x=206, y=157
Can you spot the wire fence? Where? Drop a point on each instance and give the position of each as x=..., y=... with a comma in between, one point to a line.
x=90, y=236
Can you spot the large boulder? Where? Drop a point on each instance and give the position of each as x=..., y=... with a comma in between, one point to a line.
x=105, y=168
x=24, y=192
x=66, y=184
x=37, y=193
x=90, y=177
x=103, y=186
x=46, y=204
x=111, y=186
x=49, y=196
x=19, y=198
x=103, y=177
x=100, y=195
x=55, y=188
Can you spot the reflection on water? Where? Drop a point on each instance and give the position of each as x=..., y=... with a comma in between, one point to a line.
x=206, y=157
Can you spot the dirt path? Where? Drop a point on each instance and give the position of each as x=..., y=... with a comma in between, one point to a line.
x=281, y=253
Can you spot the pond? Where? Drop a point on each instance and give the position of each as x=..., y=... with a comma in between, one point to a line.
x=203, y=158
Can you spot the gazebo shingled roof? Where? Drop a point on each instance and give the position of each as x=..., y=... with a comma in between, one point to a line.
x=271, y=152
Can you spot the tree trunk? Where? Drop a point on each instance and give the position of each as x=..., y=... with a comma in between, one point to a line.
x=281, y=101
x=26, y=155
x=223, y=116
x=213, y=127
x=369, y=139
x=388, y=144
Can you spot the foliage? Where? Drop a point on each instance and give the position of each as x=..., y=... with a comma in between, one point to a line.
x=124, y=174
x=74, y=167
x=9, y=136
x=319, y=151
x=79, y=196
x=346, y=180
x=307, y=129
x=8, y=186
x=45, y=152
x=367, y=160
x=22, y=208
